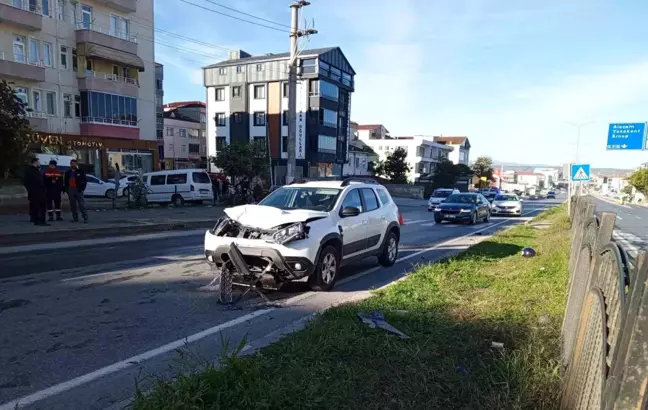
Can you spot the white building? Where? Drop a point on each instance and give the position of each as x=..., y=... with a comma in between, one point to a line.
x=530, y=179
x=422, y=153
x=185, y=144
x=86, y=72
x=461, y=152
x=551, y=175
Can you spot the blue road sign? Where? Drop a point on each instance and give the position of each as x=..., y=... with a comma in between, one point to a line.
x=628, y=136
x=580, y=172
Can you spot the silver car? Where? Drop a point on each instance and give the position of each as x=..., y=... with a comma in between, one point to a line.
x=507, y=204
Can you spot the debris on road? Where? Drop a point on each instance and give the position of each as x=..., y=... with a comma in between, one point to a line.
x=528, y=252
x=377, y=319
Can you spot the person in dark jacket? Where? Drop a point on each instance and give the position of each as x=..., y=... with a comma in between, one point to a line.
x=54, y=185
x=36, y=193
x=74, y=183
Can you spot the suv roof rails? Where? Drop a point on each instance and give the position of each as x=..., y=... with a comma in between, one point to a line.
x=348, y=181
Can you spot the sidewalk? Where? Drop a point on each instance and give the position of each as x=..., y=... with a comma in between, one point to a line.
x=15, y=229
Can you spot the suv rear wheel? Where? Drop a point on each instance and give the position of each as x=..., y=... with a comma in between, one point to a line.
x=326, y=270
x=389, y=252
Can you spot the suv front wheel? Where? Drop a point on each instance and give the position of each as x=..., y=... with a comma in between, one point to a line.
x=326, y=270
x=389, y=252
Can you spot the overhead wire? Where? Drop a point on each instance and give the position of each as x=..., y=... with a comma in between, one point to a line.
x=246, y=14
x=234, y=17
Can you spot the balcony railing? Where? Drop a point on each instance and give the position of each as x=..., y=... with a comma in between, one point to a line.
x=109, y=121
x=93, y=27
x=21, y=58
x=110, y=77
x=29, y=6
x=35, y=114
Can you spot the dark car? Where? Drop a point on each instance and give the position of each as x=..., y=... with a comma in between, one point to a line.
x=465, y=207
x=551, y=195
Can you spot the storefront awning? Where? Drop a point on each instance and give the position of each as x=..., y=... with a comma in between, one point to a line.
x=111, y=54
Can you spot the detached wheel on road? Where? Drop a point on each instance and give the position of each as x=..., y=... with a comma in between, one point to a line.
x=225, y=288
x=389, y=252
x=326, y=270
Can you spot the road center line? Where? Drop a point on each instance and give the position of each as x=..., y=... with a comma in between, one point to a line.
x=134, y=360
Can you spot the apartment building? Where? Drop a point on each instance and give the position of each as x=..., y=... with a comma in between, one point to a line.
x=461, y=152
x=422, y=154
x=373, y=132
x=247, y=100
x=159, y=111
x=85, y=71
x=185, y=145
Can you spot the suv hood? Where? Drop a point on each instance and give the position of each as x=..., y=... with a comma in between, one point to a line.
x=267, y=217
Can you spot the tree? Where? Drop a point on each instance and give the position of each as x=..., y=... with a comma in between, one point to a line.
x=639, y=180
x=394, y=167
x=447, y=173
x=483, y=168
x=243, y=159
x=14, y=130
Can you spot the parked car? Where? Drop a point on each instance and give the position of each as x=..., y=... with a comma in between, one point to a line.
x=306, y=229
x=507, y=204
x=179, y=186
x=99, y=188
x=551, y=195
x=124, y=182
x=439, y=195
x=463, y=207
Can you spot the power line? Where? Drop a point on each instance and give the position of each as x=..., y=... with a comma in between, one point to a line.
x=234, y=17
x=247, y=14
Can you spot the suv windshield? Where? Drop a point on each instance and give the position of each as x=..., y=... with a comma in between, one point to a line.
x=316, y=199
x=441, y=194
x=506, y=198
x=461, y=199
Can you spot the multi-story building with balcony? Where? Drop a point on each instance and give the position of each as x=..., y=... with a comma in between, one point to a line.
x=422, y=153
x=461, y=145
x=247, y=100
x=85, y=71
x=185, y=145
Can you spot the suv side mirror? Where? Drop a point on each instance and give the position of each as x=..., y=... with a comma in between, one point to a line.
x=350, y=211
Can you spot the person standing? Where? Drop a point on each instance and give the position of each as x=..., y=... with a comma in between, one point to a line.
x=36, y=193
x=74, y=183
x=54, y=185
x=117, y=179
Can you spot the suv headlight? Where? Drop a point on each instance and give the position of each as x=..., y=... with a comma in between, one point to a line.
x=290, y=233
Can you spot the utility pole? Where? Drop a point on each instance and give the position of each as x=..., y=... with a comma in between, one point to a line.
x=295, y=34
x=570, y=189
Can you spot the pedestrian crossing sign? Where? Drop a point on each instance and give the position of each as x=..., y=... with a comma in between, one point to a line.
x=580, y=172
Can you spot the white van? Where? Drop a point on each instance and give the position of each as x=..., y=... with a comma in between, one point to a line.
x=179, y=186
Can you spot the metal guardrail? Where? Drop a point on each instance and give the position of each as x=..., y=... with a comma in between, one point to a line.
x=605, y=329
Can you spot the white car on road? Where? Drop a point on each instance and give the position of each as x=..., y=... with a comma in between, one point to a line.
x=306, y=229
x=439, y=195
x=97, y=187
x=507, y=204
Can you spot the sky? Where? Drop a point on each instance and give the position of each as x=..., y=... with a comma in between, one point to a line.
x=515, y=77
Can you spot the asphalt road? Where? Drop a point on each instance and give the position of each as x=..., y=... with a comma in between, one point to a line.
x=79, y=326
x=631, y=227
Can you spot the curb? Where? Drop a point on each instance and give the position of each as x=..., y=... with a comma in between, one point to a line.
x=92, y=233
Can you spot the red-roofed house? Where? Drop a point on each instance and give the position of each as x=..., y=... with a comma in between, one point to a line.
x=461, y=145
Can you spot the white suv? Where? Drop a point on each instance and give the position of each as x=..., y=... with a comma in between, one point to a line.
x=305, y=229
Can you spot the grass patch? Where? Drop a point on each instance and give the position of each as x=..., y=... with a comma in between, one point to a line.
x=451, y=310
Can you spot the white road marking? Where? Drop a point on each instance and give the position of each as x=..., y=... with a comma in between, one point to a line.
x=415, y=222
x=638, y=217
x=619, y=218
x=429, y=224
x=132, y=361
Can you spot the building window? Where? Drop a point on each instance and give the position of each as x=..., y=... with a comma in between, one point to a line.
x=183, y=132
x=46, y=7
x=260, y=67
x=220, y=143
x=23, y=95
x=77, y=106
x=284, y=144
x=328, y=118
x=86, y=17
x=19, y=49
x=108, y=108
x=313, y=88
x=220, y=94
x=238, y=118
x=159, y=134
x=222, y=71
x=259, y=92
x=169, y=132
x=158, y=84
x=194, y=148
x=220, y=119
x=326, y=144
x=60, y=13
x=203, y=118
x=285, y=118
x=329, y=91
x=259, y=119
x=240, y=69
x=36, y=101
x=75, y=61
x=286, y=90
x=34, y=51
x=308, y=65
x=50, y=98
x=236, y=91
x=64, y=58
x=67, y=105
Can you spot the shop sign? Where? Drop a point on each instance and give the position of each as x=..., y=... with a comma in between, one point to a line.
x=69, y=142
